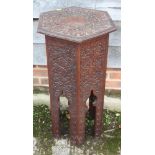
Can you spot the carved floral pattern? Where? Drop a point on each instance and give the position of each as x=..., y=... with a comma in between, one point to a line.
x=75, y=23
x=65, y=77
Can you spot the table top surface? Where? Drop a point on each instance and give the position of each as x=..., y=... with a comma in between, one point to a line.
x=75, y=24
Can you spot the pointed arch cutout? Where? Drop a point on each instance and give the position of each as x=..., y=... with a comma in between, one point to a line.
x=64, y=114
x=91, y=113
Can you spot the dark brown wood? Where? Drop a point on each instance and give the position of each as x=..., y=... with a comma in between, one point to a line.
x=77, y=67
x=75, y=24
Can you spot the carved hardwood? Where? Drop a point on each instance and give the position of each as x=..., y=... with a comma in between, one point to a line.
x=77, y=47
x=76, y=69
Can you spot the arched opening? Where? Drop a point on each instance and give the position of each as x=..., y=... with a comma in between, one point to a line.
x=91, y=114
x=64, y=115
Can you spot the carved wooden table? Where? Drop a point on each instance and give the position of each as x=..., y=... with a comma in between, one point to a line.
x=77, y=47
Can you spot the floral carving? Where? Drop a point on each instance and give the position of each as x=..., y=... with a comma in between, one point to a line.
x=74, y=70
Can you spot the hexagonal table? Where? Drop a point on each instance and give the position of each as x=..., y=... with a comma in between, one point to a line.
x=77, y=48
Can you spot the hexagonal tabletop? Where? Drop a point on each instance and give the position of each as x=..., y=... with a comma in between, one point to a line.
x=75, y=24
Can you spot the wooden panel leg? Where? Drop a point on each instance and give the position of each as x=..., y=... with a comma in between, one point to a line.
x=77, y=125
x=99, y=115
x=55, y=116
